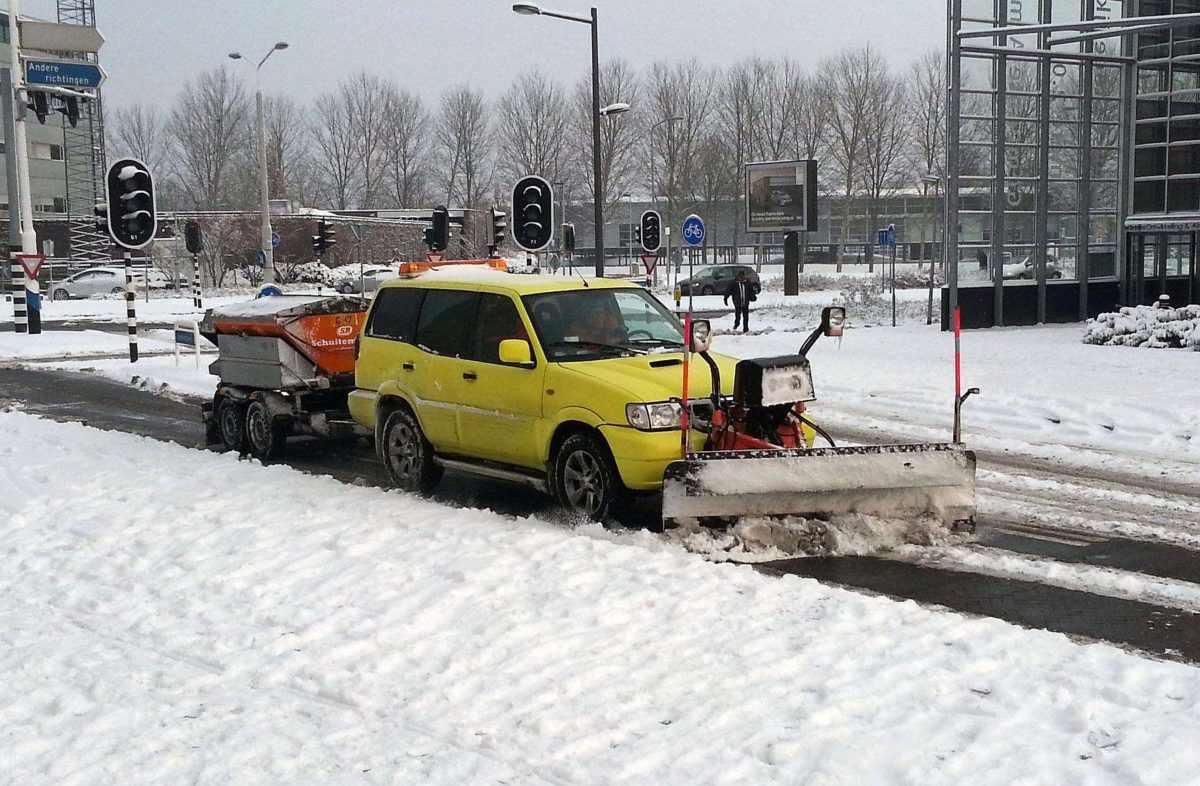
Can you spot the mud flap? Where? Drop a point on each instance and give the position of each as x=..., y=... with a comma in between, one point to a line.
x=898, y=481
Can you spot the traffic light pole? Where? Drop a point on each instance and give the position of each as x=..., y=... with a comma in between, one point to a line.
x=131, y=307
x=20, y=142
x=597, y=185
x=197, y=301
x=16, y=271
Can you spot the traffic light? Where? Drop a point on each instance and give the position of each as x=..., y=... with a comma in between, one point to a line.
x=568, y=238
x=70, y=108
x=193, y=238
x=326, y=236
x=101, y=210
x=39, y=102
x=437, y=234
x=533, y=212
x=637, y=234
x=650, y=234
x=497, y=229
x=129, y=192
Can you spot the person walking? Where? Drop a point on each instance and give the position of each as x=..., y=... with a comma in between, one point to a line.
x=742, y=292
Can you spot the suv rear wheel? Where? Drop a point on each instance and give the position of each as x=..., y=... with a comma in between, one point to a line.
x=586, y=480
x=407, y=454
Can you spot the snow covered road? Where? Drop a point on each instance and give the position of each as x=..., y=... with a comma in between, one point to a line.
x=293, y=628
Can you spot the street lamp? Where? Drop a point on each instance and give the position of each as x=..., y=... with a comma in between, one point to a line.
x=532, y=9
x=264, y=197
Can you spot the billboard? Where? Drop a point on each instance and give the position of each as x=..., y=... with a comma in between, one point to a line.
x=781, y=196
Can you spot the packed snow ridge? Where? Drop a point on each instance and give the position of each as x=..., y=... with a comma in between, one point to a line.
x=1147, y=326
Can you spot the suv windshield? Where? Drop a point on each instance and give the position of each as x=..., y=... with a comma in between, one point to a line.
x=584, y=324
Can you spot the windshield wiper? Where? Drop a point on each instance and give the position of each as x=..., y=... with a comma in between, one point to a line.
x=596, y=345
x=670, y=341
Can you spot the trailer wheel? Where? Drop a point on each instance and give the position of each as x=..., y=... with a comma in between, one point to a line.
x=586, y=480
x=231, y=424
x=265, y=437
x=408, y=454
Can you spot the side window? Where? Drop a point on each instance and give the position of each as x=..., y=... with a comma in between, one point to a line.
x=394, y=315
x=498, y=320
x=447, y=316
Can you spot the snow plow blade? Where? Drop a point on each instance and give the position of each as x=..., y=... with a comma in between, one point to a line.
x=894, y=481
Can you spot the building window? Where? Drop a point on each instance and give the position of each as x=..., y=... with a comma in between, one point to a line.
x=56, y=153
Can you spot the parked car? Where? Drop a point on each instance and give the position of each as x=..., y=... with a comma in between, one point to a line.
x=1024, y=268
x=372, y=276
x=104, y=280
x=715, y=280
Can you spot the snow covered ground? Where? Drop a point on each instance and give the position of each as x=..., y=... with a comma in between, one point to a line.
x=295, y=629
x=111, y=308
x=55, y=344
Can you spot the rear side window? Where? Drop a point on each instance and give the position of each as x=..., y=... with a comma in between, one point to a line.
x=498, y=320
x=445, y=326
x=394, y=315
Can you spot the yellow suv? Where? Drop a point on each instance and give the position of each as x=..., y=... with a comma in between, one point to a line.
x=567, y=385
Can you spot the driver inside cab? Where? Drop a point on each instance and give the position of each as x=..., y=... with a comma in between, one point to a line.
x=597, y=321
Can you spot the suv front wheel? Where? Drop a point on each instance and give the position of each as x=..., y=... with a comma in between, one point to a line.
x=586, y=480
x=407, y=454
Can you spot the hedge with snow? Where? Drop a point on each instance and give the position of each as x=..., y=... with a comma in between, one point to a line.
x=1147, y=326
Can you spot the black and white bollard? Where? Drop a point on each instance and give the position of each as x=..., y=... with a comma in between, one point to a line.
x=20, y=311
x=196, y=282
x=130, y=309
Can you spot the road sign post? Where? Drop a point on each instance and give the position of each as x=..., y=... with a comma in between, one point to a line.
x=693, y=235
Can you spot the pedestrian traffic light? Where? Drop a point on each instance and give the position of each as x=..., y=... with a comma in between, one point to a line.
x=39, y=102
x=533, y=212
x=437, y=234
x=497, y=229
x=651, y=231
x=568, y=238
x=193, y=238
x=325, y=238
x=129, y=192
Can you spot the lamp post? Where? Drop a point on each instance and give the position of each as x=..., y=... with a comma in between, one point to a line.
x=263, y=196
x=532, y=9
x=670, y=121
x=937, y=183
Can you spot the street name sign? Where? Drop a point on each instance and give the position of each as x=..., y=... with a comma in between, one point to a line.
x=63, y=73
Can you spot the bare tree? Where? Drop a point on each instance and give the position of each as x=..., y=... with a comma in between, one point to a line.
x=619, y=159
x=365, y=96
x=686, y=91
x=407, y=147
x=927, y=90
x=287, y=146
x=336, y=146
x=465, y=146
x=209, y=132
x=533, y=121
x=137, y=130
x=845, y=81
x=885, y=145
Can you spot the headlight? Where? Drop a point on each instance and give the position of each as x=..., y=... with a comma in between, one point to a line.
x=656, y=416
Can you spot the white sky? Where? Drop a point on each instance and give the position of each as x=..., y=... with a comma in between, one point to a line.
x=153, y=46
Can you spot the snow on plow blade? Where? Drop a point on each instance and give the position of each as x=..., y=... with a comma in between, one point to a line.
x=897, y=481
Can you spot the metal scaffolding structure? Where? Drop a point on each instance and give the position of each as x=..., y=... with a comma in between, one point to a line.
x=83, y=151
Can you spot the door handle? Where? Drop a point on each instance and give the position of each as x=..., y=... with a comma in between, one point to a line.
x=471, y=375
x=408, y=366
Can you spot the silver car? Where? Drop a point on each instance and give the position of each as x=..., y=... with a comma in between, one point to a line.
x=93, y=281
x=372, y=277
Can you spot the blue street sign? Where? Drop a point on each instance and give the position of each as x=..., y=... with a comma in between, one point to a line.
x=260, y=258
x=887, y=237
x=275, y=239
x=56, y=73
x=185, y=337
x=693, y=230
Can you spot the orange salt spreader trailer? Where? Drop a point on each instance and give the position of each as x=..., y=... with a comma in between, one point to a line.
x=286, y=367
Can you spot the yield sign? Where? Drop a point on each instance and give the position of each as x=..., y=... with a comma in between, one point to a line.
x=434, y=256
x=32, y=263
x=650, y=261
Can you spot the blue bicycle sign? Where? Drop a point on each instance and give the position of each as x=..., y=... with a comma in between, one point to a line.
x=693, y=230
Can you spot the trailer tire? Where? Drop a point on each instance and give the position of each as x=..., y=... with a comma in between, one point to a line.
x=585, y=477
x=407, y=454
x=265, y=435
x=231, y=424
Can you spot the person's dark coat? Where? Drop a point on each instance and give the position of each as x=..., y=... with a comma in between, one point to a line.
x=742, y=292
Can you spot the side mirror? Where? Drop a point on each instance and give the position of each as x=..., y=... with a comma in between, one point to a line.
x=701, y=337
x=516, y=352
x=833, y=321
